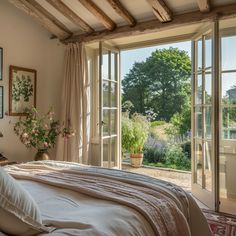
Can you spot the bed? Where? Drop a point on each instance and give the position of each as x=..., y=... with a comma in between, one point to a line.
x=75, y=199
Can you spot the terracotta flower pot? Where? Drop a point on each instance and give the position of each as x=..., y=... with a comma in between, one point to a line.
x=136, y=159
x=41, y=155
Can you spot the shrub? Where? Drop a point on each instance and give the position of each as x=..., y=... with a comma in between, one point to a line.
x=176, y=156
x=134, y=133
x=157, y=123
x=154, y=155
x=186, y=146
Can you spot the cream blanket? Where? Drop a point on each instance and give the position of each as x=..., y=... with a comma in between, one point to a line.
x=164, y=205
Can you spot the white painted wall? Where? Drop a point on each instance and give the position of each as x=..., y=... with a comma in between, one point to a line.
x=27, y=44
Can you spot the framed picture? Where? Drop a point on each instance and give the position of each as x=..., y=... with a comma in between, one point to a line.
x=1, y=63
x=1, y=102
x=22, y=90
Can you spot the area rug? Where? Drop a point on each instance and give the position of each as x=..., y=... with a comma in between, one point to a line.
x=220, y=224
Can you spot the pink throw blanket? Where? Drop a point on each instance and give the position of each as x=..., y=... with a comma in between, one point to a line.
x=164, y=205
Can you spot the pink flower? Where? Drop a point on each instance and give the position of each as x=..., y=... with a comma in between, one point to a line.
x=25, y=135
x=45, y=144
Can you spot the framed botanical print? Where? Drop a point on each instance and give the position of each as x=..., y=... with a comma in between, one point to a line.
x=1, y=102
x=22, y=90
x=1, y=63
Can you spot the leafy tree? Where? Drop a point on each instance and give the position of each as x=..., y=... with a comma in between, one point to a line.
x=160, y=83
x=136, y=87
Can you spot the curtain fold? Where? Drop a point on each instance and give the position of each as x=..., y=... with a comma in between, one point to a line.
x=75, y=106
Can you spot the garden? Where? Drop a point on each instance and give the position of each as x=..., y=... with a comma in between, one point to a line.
x=156, y=110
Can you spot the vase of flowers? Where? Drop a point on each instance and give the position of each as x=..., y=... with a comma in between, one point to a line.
x=42, y=154
x=40, y=132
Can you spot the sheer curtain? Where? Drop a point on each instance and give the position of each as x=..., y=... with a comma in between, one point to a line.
x=75, y=106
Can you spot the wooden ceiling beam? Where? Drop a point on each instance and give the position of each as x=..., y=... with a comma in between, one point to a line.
x=40, y=17
x=98, y=13
x=204, y=5
x=122, y=11
x=222, y=12
x=36, y=5
x=72, y=16
x=161, y=11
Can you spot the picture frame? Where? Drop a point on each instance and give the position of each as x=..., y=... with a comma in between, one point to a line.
x=22, y=90
x=1, y=63
x=1, y=101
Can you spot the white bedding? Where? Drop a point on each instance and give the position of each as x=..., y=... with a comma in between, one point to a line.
x=74, y=213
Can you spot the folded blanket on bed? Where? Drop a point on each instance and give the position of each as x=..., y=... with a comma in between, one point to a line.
x=164, y=205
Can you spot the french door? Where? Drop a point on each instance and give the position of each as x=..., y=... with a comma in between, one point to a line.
x=205, y=115
x=109, y=107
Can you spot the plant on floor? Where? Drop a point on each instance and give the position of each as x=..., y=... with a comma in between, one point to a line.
x=134, y=135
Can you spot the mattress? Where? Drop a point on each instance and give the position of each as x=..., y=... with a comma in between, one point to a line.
x=82, y=200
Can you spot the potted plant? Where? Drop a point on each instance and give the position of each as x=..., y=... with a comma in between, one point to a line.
x=40, y=132
x=134, y=135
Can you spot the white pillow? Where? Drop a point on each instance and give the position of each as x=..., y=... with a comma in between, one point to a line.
x=19, y=212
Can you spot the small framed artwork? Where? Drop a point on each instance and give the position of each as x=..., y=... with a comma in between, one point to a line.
x=22, y=90
x=1, y=63
x=1, y=102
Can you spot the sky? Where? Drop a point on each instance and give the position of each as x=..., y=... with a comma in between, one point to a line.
x=129, y=57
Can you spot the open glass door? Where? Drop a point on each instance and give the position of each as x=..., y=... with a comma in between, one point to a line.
x=109, y=107
x=203, y=165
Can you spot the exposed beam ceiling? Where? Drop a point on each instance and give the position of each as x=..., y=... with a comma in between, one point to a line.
x=67, y=12
x=204, y=5
x=161, y=11
x=122, y=11
x=49, y=15
x=222, y=12
x=42, y=17
x=98, y=13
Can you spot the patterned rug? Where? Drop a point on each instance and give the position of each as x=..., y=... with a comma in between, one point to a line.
x=220, y=225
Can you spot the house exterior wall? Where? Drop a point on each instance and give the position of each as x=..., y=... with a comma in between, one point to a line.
x=26, y=44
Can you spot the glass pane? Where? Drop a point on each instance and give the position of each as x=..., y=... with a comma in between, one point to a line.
x=113, y=94
x=229, y=123
x=208, y=89
x=228, y=53
x=113, y=66
x=208, y=53
x=114, y=151
x=105, y=152
x=105, y=66
x=113, y=121
x=208, y=166
x=208, y=120
x=105, y=88
x=106, y=122
x=198, y=113
x=199, y=89
x=199, y=54
x=228, y=88
x=199, y=162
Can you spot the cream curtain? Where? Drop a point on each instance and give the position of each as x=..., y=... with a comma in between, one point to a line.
x=75, y=106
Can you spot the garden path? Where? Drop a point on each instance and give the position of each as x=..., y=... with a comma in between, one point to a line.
x=180, y=178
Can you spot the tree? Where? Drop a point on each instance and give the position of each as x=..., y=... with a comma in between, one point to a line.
x=136, y=87
x=160, y=83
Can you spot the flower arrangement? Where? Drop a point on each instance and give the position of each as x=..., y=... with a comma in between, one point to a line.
x=40, y=132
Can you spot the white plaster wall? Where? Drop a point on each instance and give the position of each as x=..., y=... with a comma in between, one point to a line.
x=27, y=44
